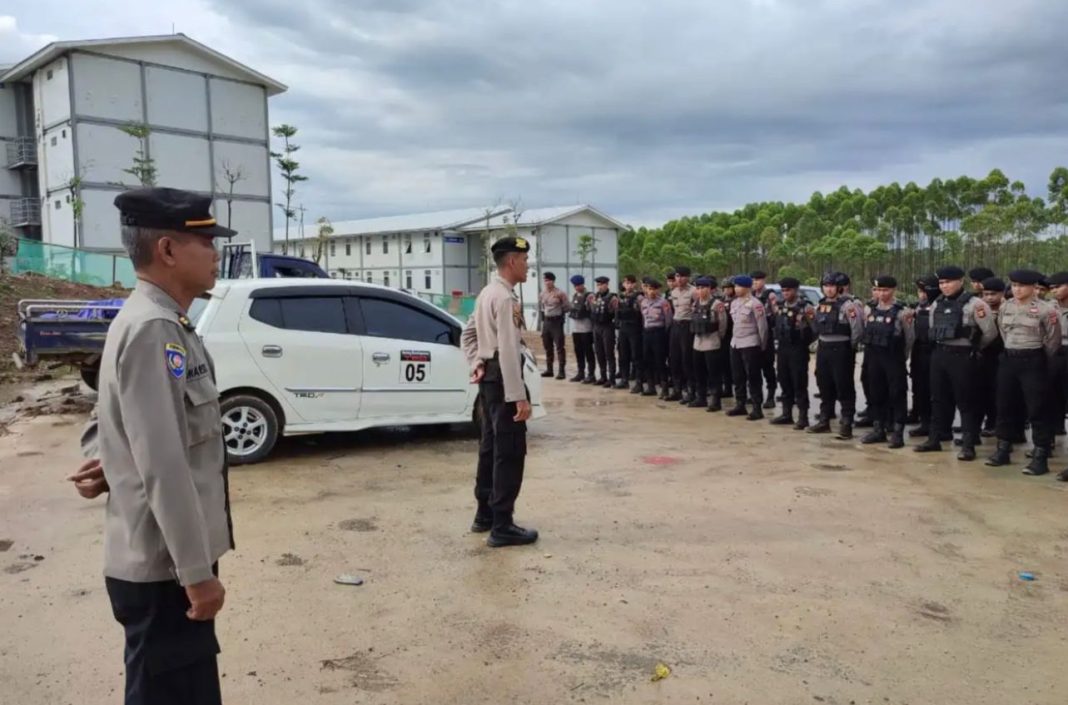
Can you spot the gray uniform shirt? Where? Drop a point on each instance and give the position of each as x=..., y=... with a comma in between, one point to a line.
x=750, y=323
x=159, y=435
x=1062, y=311
x=494, y=329
x=714, y=340
x=976, y=313
x=1034, y=325
x=553, y=303
x=682, y=301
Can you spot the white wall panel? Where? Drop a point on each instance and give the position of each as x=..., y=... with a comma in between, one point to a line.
x=52, y=95
x=181, y=162
x=9, y=126
x=173, y=55
x=251, y=159
x=57, y=159
x=107, y=88
x=176, y=99
x=552, y=241
x=251, y=220
x=100, y=220
x=57, y=218
x=607, y=247
x=238, y=109
x=103, y=152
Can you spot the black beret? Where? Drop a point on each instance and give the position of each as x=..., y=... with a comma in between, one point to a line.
x=993, y=284
x=789, y=283
x=670, y=274
x=951, y=272
x=550, y=276
x=682, y=271
x=654, y=284
x=978, y=274
x=1027, y=277
x=841, y=279
x=1058, y=279
x=830, y=278
x=1044, y=283
x=510, y=244
x=169, y=209
x=927, y=281
x=728, y=283
x=884, y=281
x=758, y=274
x=601, y=280
x=704, y=281
x=646, y=280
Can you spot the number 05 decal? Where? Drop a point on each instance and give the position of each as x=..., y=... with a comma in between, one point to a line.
x=415, y=366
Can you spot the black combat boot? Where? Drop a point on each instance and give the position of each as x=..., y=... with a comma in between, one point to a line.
x=675, y=396
x=802, y=420
x=622, y=383
x=822, y=426
x=548, y=370
x=483, y=521
x=756, y=414
x=715, y=404
x=603, y=383
x=560, y=374
x=686, y=397
x=967, y=447
x=738, y=410
x=845, y=428
x=784, y=419
x=649, y=390
x=864, y=419
x=511, y=535
x=1062, y=476
x=1001, y=456
x=877, y=434
x=931, y=445
x=637, y=388
x=665, y=392
x=579, y=376
x=590, y=378
x=897, y=436
x=699, y=401
x=1039, y=464
x=921, y=431
x=770, y=403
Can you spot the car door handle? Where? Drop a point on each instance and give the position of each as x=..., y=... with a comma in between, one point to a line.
x=272, y=351
x=380, y=357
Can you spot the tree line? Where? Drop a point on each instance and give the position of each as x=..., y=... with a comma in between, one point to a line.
x=904, y=231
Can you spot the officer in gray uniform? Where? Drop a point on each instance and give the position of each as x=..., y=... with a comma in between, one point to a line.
x=552, y=306
x=747, y=348
x=161, y=455
x=680, y=341
x=582, y=330
x=1059, y=365
x=839, y=325
x=888, y=338
x=1031, y=331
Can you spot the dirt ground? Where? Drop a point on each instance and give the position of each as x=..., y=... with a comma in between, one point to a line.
x=761, y=565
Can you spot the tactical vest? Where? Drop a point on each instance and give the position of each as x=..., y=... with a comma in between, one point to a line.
x=948, y=321
x=788, y=324
x=829, y=319
x=880, y=330
x=764, y=298
x=602, y=308
x=923, y=322
x=630, y=310
x=579, y=308
x=704, y=319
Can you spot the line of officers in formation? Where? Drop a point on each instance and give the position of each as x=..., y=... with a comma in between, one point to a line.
x=996, y=353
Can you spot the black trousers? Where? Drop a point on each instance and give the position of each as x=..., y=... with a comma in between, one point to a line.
x=604, y=346
x=793, y=375
x=746, y=364
x=725, y=364
x=552, y=339
x=707, y=373
x=1058, y=390
x=835, y=362
x=654, y=353
x=584, y=356
x=1023, y=375
x=630, y=351
x=887, y=384
x=767, y=366
x=502, y=451
x=954, y=381
x=920, y=372
x=681, y=353
x=987, y=394
x=170, y=659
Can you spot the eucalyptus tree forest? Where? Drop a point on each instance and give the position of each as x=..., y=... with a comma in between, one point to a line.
x=900, y=230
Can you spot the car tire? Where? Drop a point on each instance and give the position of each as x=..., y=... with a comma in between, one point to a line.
x=250, y=428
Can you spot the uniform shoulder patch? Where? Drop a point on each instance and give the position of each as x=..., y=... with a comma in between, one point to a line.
x=980, y=311
x=175, y=356
x=852, y=312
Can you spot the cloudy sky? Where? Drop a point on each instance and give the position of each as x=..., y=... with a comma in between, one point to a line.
x=646, y=110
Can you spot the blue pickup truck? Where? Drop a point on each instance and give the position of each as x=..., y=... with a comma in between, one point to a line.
x=72, y=332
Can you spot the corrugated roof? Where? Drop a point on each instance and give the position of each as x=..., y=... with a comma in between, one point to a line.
x=52, y=51
x=438, y=220
x=544, y=216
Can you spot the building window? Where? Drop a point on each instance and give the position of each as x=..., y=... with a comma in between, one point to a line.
x=55, y=140
x=426, y=243
x=49, y=76
x=408, y=279
x=385, y=245
x=407, y=244
x=385, y=279
x=426, y=280
x=63, y=134
x=59, y=204
x=348, y=248
x=333, y=249
x=370, y=278
x=368, y=243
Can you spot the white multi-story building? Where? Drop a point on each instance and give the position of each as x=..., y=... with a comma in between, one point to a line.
x=445, y=253
x=63, y=149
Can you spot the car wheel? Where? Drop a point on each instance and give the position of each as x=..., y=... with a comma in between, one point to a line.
x=91, y=377
x=250, y=428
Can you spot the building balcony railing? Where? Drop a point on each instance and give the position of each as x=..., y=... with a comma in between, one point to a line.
x=21, y=153
x=25, y=212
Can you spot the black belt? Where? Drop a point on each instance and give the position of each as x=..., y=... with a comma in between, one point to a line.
x=836, y=342
x=555, y=318
x=1030, y=352
x=1062, y=351
x=956, y=349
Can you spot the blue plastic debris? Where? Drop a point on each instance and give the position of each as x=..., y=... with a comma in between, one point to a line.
x=1024, y=575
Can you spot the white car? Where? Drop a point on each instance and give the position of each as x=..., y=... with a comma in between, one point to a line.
x=297, y=356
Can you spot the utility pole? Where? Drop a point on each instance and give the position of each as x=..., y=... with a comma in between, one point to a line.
x=302, y=209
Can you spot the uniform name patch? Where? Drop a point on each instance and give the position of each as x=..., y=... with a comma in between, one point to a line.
x=175, y=356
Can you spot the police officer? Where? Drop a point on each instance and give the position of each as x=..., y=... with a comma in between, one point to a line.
x=582, y=330
x=976, y=277
x=603, y=313
x=656, y=321
x=888, y=336
x=629, y=322
x=792, y=322
x=727, y=296
x=1058, y=373
x=920, y=359
x=1031, y=331
x=709, y=324
x=992, y=289
x=838, y=325
x=767, y=365
x=681, y=341
x=552, y=305
x=493, y=347
x=747, y=348
x=157, y=447
x=961, y=325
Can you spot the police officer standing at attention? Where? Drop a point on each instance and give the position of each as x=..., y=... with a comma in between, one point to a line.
x=1058, y=374
x=709, y=324
x=552, y=305
x=838, y=324
x=493, y=347
x=629, y=321
x=603, y=312
x=162, y=457
x=656, y=321
x=681, y=342
x=767, y=366
x=793, y=329
x=920, y=359
x=1031, y=331
x=961, y=326
x=976, y=277
x=747, y=348
x=727, y=297
x=888, y=336
x=582, y=330
x=992, y=289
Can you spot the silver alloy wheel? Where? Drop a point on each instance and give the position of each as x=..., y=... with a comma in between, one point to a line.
x=245, y=430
